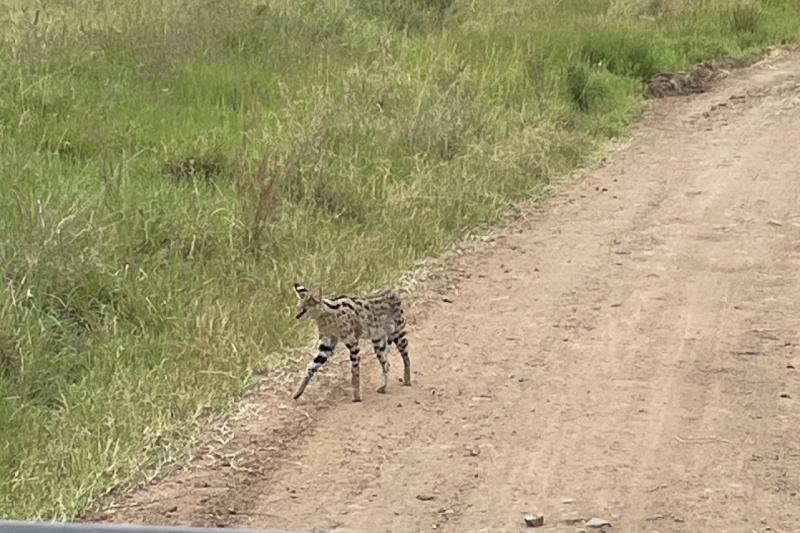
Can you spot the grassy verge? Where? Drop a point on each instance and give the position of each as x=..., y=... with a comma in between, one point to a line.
x=168, y=168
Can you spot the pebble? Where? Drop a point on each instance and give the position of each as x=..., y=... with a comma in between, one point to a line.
x=597, y=522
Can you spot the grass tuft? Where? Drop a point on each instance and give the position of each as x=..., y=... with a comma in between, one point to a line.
x=745, y=17
x=204, y=167
x=578, y=84
x=625, y=51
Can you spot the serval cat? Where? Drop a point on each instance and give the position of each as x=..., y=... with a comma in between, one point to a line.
x=379, y=317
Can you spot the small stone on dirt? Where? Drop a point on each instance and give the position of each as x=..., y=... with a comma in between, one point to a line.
x=597, y=522
x=172, y=509
x=425, y=497
x=785, y=395
x=533, y=520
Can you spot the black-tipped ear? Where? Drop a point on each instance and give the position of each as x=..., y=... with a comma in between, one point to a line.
x=300, y=290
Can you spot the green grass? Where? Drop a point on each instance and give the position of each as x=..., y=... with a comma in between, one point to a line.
x=170, y=168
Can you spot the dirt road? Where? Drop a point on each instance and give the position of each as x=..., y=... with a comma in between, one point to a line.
x=629, y=352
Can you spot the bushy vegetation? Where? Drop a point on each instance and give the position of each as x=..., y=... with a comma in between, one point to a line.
x=169, y=167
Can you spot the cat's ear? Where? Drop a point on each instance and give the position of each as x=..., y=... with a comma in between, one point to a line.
x=301, y=291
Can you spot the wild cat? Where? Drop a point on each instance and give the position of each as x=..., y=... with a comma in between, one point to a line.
x=379, y=317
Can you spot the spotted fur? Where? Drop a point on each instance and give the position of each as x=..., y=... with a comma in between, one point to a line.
x=379, y=317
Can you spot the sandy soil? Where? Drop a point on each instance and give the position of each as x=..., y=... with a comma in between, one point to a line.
x=628, y=352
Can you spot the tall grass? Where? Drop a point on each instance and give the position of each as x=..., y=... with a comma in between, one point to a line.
x=169, y=168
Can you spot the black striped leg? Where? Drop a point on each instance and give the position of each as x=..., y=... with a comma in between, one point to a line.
x=355, y=369
x=401, y=342
x=380, y=348
x=326, y=347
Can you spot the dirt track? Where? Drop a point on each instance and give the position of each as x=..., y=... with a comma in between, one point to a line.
x=630, y=352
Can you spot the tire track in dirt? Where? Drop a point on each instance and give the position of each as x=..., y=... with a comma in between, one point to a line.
x=628, y=352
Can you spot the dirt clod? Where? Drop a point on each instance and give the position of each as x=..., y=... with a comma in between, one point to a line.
x=697, y=80
x=533, y=520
